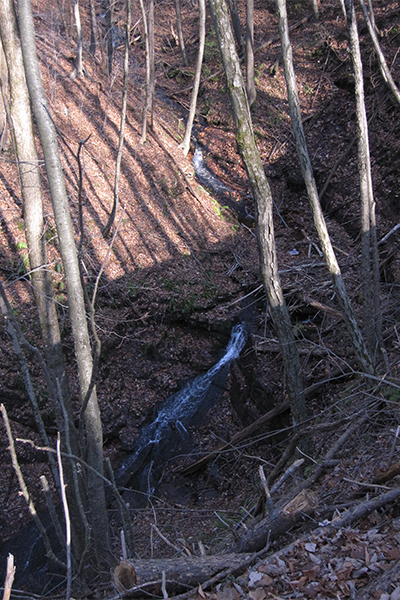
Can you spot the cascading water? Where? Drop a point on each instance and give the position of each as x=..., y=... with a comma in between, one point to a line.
x=211, y=181
x=205, y=175
x=160, y=439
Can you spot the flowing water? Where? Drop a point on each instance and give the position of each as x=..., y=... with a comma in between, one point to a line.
x=205, y=175
x=160, y=439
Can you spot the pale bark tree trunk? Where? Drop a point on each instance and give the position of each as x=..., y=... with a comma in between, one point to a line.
x=94, y=438
x=29, y=174
x=369, y=244
x=3, y=99
x=148, y=27
x=178, y=10
x=308, y=175
x=386, y=74
x=250, y=83
x=152, y=80
x=79, y=69
x=263, y=203
x=196, y=84
x=314, y=5
x=111, y=219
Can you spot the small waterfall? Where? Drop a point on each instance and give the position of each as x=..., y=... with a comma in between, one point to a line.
x=160, y=439
x=205, y=175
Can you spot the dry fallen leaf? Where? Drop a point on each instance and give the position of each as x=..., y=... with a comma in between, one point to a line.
x=258, y=594
x=227, y=592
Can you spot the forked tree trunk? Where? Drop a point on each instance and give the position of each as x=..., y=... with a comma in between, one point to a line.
x=263, y=202
x=196, y=84
x=369, y=244
x=308, y=176
x=94, y=437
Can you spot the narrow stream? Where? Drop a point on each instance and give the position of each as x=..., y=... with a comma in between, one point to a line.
x=160, y=440
x=205, y=175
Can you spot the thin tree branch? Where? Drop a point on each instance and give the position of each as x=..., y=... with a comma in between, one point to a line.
x=25, y=493
x=67, y=520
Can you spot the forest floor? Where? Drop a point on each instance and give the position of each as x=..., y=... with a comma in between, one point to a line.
x=182, y=270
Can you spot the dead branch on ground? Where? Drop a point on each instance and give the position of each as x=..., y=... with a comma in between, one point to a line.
x=240, y=436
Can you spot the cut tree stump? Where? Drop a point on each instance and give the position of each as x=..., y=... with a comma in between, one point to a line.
x=275, y=524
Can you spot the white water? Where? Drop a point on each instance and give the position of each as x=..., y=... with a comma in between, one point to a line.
x=179, y=411
x=205, y=175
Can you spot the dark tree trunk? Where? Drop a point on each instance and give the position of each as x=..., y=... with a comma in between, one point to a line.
x=178, y=10
x=369, y=245
x=109, y=34
x=237, y=28
x=93, y=28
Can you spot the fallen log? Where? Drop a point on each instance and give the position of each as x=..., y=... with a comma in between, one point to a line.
x=180, y=573
x=365, y=508
x=393, y=471
x=275, y=524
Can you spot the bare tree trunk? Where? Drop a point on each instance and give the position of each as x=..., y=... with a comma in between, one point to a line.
x=178, y=10
x=79, y=69
x=386, y=74
x=28, y=166
x=94, y=438
x=3, y=99
x=193, y=101
x=152, y=80
x=111, y=219
x=237, y=28
x=314, y=5
x=308, y=175
x=148, y=26
x=369, y=245
x=263, y=201
x=93, y=28
x=109, y=34
x=29, y=173
x=372, y=16
x=250, y=84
